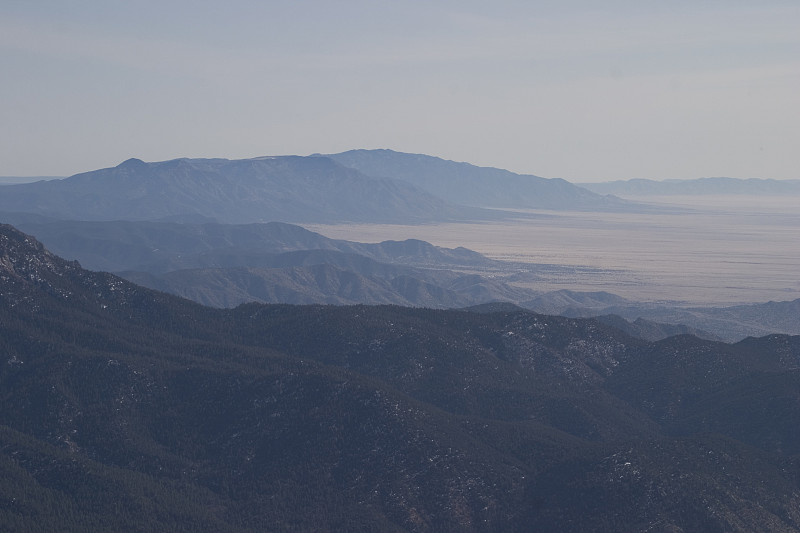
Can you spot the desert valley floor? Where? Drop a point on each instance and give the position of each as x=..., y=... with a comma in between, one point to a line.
x=708, y=250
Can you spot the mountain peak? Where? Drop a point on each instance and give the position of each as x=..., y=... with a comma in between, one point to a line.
x=132, y=163
x=285, y=188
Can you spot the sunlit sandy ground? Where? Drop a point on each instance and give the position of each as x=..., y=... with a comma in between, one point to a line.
x=726, y=250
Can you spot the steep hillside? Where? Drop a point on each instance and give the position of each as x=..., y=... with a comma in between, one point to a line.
x=144, y=249
x=159, y=247
x=126, y=409
x=225, y=265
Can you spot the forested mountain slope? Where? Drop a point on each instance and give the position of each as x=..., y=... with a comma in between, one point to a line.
x=128, y=409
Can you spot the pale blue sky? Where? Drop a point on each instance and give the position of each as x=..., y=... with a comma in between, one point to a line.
x=581, y=90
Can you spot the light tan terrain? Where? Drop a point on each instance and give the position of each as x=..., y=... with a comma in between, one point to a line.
x=726, y=250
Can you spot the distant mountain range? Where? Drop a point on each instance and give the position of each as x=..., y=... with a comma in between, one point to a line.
x=16, y=180
x=312, y=189
x=159, y=247
x=287, y=189
x=157, y=224
x=453, y=408
x=225, y=265
x=465, y=184
x=729, y=323
x=701, y=186
x=125, y=409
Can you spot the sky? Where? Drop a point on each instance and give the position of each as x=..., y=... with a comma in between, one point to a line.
x=580, y=90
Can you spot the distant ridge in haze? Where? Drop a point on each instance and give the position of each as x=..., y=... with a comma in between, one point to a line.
x=225, y=265
x=465, y=184
x=159, y=247
x=646, y=187
x=364, y=186
x=286, y=189
x=15, y=180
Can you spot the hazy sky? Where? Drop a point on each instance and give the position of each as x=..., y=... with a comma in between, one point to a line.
x=582, y=90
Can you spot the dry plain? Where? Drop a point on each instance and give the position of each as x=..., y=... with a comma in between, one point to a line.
x=702, y=250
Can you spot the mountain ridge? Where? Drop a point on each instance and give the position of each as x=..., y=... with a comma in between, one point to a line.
x=284, y=188
x=466, y=184
x=127, y=409
x=699, y=186
x=155, y=248
x=357, y=186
